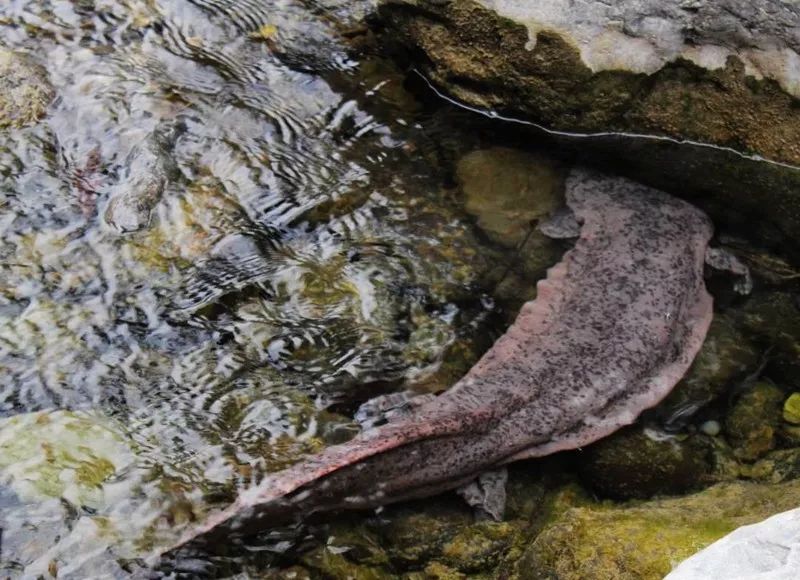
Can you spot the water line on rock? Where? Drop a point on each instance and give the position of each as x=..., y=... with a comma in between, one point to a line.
x=602, y=134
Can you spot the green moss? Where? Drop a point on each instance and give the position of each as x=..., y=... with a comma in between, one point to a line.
x=479, y=547
x=644, y=540
x=414, y=538
x=438, y=571
x=752, y=423
x=777, y=466
x=336, y=566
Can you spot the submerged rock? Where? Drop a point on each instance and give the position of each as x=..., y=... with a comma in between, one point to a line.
x=777, y=466
x=436, y=539
x=773, y=319
x=643, y=541
x=509, y=191
x=791, y=409
x=25, y=91
x=148, y=169
x=633, y=464
x=62, y=454
x=752, y=424
x=413, y=538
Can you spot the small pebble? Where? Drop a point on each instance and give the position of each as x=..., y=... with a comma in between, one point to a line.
x=711, y=428
x=791, y=409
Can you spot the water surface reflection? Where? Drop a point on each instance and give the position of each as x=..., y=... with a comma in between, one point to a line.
x=223, y=225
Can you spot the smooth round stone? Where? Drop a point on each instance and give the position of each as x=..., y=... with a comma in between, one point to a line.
x=791, y=409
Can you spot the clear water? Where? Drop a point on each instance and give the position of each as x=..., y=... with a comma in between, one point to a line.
x=224, y=233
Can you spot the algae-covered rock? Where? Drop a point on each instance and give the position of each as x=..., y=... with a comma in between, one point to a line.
x=431, y=539
x=25, y=91
x=633, y=464
x=777, y=466
x=631, y=73
x=480, y=547
x=438, y=571
x=334, y=565
x=508, y=191
x=752, y=424
x=791, y=409
x=643, y=541
x=61, y=454
x=414, y=537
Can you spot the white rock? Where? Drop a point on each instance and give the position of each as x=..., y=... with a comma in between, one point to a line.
x=768, y=550
x=643, y=35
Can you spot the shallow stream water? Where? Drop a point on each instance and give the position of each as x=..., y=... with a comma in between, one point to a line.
x=223, y=234
x=225, y=225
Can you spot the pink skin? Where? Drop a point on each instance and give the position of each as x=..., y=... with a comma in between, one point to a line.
x=614, y=327
x=87, y=181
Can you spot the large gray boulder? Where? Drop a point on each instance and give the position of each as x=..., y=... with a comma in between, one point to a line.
x=699, y=97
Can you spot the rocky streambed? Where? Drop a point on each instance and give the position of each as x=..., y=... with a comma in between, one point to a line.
x=323, y=227
x=722, y=451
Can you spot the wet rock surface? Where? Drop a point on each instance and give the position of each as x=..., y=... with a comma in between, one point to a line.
x=715, y=74
x=752, y=424
x=636, y=464
x=644, y=541
x=25, y=91
x=629, y=66
x=510, y=191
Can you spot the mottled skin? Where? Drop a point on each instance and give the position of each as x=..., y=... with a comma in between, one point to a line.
x=615, y=325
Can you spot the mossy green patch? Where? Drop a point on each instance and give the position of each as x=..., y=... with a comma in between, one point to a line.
x=61, y=454
x=752, y=424
x=479, y=547
x=645, y=540
x=508, y=191
x=791, y=409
